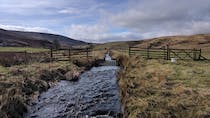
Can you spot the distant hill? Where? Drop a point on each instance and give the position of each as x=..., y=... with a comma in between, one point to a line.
x=194, y=41
x=34, y=39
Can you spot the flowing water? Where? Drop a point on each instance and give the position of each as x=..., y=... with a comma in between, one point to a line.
x=107, y=57
x=96, y=93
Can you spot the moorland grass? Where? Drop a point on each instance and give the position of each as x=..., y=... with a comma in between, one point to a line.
x=161, y=89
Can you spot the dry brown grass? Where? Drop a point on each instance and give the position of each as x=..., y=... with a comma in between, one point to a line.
x=98, y=54
x=19, y=84
x=17, y=58
x=160, y=89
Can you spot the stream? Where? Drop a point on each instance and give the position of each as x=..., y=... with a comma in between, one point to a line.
x=95, y=94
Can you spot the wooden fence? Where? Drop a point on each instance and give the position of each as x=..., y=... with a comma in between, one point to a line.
x=69, y=54
x=24, y=57
x=15, y=58
x=167, y=53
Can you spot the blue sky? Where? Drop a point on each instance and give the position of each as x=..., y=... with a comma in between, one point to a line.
x=107, y=20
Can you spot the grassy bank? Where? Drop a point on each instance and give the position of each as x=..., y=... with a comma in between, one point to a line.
x=20, y=84
x=161, y=89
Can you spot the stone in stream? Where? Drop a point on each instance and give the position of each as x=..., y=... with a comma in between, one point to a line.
x=72, y=75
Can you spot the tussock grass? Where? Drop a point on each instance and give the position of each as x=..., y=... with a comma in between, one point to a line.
x=99, y=54
x=20, y=84
x=161, y=89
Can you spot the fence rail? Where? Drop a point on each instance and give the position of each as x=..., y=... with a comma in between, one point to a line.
x=167, y=53
x=71, y=53
x=15, y=58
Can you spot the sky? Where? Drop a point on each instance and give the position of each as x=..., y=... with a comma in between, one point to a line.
x=99, y=21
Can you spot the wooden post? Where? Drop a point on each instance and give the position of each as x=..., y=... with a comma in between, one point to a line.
x=51, y=54
x=200, y=53
x=129, y=50
x=164, y=51
x=148, y=52
x=25, y=53
x=194, y=54
x=69, y=54
x=87, y=53
x=168, y=53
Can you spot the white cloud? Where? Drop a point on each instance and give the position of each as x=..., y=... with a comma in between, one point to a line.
x=121, y=36
x=25, y=7
x=190, y=28
x=92, y=33
x=165, y=17
x=99, y=34
x=23, y=28
x=22, y=4
x=69, y=11
x=199, y=27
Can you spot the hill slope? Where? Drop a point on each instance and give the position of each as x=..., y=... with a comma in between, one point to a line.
x=194, y=41
x=34, y=39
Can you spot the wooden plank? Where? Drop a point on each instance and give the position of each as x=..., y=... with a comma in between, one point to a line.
x=175, y=54
x=146, y=48
x=188, y=54
x=145, y=53
x=180, y=49
x=138, y=51
x=62, y=60
x=134, y=47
